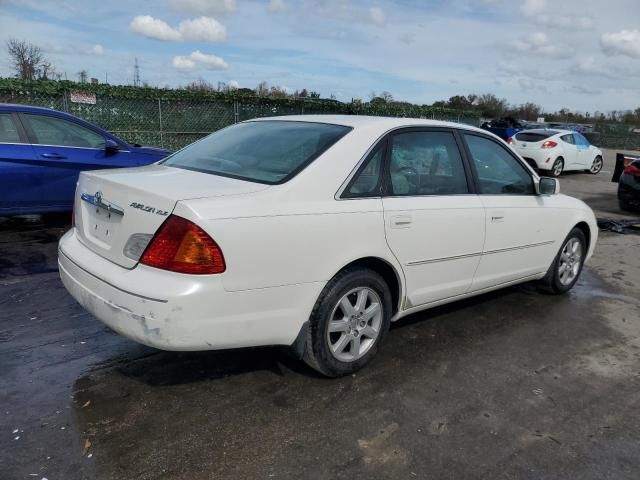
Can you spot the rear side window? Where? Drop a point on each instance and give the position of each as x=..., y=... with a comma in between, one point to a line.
x=498, y=171
x=426, y=163
x=270, y=151
x=534, y=136
x=8, y=130
x=59, y=132
x=568, y=139
x=367, y=182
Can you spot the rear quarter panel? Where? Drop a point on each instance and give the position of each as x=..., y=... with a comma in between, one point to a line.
x=303, y=242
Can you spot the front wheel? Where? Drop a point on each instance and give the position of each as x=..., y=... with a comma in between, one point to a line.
x=596, y=166
x=348, y=322
x=557, y=168
x=567, y=266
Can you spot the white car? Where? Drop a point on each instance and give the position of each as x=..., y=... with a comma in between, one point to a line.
x=557, y=151
x=315, y=232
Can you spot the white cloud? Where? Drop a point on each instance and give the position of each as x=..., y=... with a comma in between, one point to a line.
x=624, y=42
x=198, y=59
x=150, y=27
x=376, y=15
x=97, y=50
x=233, y=84
x=277, y=6
x=203, y=29
x=212, y=8
x=539, y=12
x=538, y=43
x=183, y=63
x=532, y=8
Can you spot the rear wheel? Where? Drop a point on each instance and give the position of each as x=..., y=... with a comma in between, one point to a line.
x=624, y=205
x=557, y=168
x=567, y=266
x=348, y=322
x=596, y=166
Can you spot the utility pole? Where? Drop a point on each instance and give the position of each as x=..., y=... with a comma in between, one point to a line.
x=136, y=73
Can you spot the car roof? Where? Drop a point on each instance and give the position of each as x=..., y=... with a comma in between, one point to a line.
x=27, y=108
x=14, y=107
x=548, y=131
x=361, y=121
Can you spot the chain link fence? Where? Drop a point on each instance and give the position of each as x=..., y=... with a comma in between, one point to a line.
x=175, y=122
x=174, y=118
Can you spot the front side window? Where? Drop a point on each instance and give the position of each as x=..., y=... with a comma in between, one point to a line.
x=581, y=141
x=59, y=132
x=426, y=163
x=8, y=130
x=269, y=151
x=498, y=171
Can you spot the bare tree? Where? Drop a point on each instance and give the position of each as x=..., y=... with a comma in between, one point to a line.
x=262, y=89
x=25, y=57
x=200, y=85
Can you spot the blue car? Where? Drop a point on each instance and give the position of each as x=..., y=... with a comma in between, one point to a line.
x=42, y=152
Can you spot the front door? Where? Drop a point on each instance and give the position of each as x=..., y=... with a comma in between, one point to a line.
x=434, y=224
x=62, y=149
x=17, y=185
x=585, y=157
x=520, y=225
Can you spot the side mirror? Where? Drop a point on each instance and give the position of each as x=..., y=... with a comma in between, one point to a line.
x=548, y=186
x=111, y=146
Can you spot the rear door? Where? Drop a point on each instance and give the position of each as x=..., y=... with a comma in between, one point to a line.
x=62, y=149
x=18, y=185
x=520, y=225
x=434, y=222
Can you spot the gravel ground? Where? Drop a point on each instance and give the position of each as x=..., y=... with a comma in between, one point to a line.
x=513, y=384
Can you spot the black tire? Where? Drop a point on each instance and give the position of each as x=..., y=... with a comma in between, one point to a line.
x=317, y=353
x=551, y=281
x=624, y=205
x=599, y=169
x=553, y=172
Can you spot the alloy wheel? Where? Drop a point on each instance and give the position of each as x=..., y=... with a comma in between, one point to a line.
x=570, y=261
x=355, y=324
x=557, y=168
x=597, y=165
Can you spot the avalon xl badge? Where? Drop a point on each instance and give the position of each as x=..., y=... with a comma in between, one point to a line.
x=97, y=201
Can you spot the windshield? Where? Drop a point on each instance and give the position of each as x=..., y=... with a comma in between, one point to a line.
x=270, y=151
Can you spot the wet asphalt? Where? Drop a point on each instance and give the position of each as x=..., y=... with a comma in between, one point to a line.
x=512, y=384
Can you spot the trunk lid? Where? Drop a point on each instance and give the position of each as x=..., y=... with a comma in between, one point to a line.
x=123, y=208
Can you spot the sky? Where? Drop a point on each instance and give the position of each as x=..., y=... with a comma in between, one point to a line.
x=577, y=54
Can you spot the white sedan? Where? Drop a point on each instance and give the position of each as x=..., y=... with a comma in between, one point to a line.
x=315, y=232
x=557, y=151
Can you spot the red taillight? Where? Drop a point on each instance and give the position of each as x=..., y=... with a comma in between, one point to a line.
x=510, y=140
x=549, y=144
x=181, y=246
x=633, y=170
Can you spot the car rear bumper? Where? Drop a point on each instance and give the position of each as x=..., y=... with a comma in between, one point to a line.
x=173, y=311
x=539, y=158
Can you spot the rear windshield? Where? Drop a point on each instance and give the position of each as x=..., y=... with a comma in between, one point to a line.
x=535, y=136
x=270, y=151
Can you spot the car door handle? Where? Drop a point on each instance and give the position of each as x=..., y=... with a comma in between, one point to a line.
x=497, y=217
x=53, y=155
x=401, y=221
